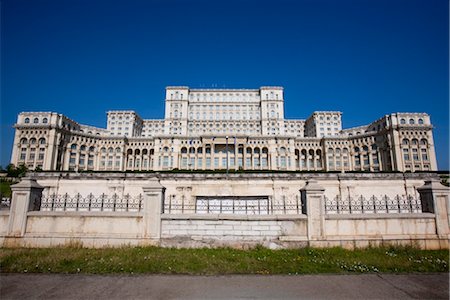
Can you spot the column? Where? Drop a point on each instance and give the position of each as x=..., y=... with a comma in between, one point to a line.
x=153, y=206
x=26, y=196
x=435, y=199
x=313, y=206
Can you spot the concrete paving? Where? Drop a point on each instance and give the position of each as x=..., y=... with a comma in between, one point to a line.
x=367, y=286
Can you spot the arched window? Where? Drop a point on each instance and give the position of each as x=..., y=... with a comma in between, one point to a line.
x=35, y=120
x=23, y=141
x=82, y=148
x=137, y=152
x=405, y=142
x=27, y=120
x=374, y=147
x=415, y=142
x=411, y=121
x=365, y=148
x=91, y=148
x=421, y=121
x=32, y=141
x=73, y=146
x=423, y=142
x=184, y=150
x=402, y=121
x=42, y=141
x=118, y=150
x=45, y=120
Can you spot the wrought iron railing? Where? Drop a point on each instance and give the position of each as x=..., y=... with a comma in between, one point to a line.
x=382, y=204
x=103, y=202
x=5, y=203
x=233, y=205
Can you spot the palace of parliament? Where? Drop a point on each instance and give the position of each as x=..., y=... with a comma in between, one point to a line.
x=233, y=129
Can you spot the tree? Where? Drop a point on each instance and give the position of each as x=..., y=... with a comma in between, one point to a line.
x=14, y=171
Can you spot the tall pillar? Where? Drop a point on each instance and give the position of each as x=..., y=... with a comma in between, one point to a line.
x=313, y=206
x=153, y=206
x=435, y=199
x=26, y=196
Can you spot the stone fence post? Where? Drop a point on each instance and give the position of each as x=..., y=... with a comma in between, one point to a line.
x=435, y=199
x=313, y=203
x=26, y=196
x=153, y=205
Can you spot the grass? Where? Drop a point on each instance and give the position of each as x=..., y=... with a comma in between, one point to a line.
x=155, y=260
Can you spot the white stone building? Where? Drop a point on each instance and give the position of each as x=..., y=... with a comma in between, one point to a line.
x=234, y=129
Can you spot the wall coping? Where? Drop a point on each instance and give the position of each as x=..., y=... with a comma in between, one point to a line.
x=231, y=176
x=232, y=217
x=380, y=216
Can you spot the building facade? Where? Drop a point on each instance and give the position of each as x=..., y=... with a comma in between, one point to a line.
x=234, y=129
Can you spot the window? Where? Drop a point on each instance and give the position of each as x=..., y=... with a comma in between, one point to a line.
x=424, y=154
x=216, y=162
x=405, y=154
x=27, y=120
x=421, y=121
x=411, y=121
x=45, y=120
x=35, y=120
x=402, y=121
x=415, y=154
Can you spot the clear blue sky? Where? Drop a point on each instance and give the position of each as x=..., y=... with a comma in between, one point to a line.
x=364, y=58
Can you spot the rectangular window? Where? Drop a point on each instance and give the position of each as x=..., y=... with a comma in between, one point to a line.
x=165, y=161
x=232, y=162
x=415, y=154
x=424, y=154
x=375, y=159
x=406, y=154
x=200, y=163
x=216, y=162
x=208, y=162
x=366, y=159
x=82, y=159
x=264, y=162
x=224, y=162
x=283, y=161
x=41, y=156
x=248, y=162
x=184, y=162
x=256, y=162
x=72, y=160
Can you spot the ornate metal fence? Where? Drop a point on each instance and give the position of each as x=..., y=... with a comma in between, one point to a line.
x=373, y=205
x=103, y=202
x=239, y=205
x=5, y=203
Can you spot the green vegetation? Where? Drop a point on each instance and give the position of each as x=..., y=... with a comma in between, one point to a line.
x=13, y=171
x=5, y=188
x=222, y=261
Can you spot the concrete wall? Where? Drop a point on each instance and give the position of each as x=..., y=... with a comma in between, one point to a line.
x=226, y=230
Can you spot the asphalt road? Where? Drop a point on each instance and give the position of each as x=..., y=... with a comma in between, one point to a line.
x=369, y=286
